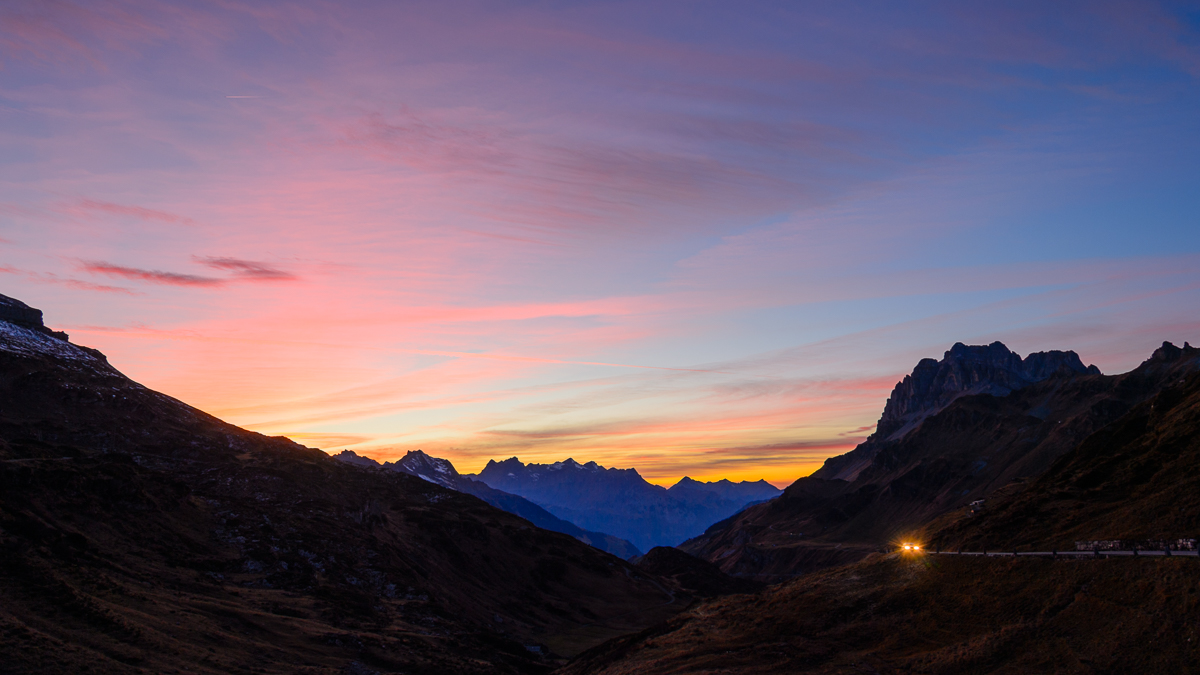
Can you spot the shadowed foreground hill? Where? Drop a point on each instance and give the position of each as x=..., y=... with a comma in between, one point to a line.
x=698, y=577
x=894, y=614
x=138, y=534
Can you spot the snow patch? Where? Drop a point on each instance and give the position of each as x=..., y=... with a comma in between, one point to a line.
x=26, y=342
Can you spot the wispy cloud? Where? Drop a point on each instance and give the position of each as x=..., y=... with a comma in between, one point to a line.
x=246, y=269
x=149, y=276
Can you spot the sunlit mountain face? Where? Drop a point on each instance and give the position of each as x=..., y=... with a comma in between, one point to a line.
x=701, y=241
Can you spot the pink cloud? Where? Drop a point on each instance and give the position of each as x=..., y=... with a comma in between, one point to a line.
x=246, y=269
x=151, y=276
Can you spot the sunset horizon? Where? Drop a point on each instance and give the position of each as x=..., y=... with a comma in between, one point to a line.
x=701, y=243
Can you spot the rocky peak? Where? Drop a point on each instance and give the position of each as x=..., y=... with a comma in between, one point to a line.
x=20, y=314
x=351, y=457
x=432, y=469
x=968, y=369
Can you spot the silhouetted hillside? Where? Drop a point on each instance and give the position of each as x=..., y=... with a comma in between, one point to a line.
x=970, y=448
x=1136, y=479
x=138, y=534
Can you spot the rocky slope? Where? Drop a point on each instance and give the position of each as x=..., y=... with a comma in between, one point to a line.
x=442, y=471
x=977, y=444
x=963, y=371
x=620, y=501
x=1137, y=479
x=138, y=534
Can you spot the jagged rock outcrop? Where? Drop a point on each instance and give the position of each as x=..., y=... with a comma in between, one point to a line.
x=20, y=314
x=963, y=370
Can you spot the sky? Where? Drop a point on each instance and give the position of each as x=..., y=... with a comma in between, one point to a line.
x=701, y=238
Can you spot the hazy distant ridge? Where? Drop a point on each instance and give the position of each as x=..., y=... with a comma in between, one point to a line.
x=620, y=501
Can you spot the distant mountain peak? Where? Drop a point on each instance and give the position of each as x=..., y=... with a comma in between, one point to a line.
x=432, y=469
x=442, y=472
x=963, y=370
x=351, y=457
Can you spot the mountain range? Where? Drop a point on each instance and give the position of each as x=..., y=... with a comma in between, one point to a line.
x=621, y=502
x=952, y=433
x=442, y=471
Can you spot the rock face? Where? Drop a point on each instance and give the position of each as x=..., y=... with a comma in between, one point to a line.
x=20, y=314
x=442, y=472
x=620, y=501
x=963, y=370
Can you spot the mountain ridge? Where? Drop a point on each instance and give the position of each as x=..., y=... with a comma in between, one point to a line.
x=962, y=453
x=620, y=501
x=442, y=472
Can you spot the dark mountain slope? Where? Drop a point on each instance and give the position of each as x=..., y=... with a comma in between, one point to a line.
x=139, y=534
x=620, y=501
x=442, y=472
x=698, y=577
x=975, y=445
x=940, y=616
x=1136, y=479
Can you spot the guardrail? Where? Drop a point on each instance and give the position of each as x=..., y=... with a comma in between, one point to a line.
x=1070, y=554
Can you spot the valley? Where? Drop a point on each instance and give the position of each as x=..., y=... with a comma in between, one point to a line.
x=138, y=534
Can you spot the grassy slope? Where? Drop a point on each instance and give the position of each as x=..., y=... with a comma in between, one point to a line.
x=892, y=614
